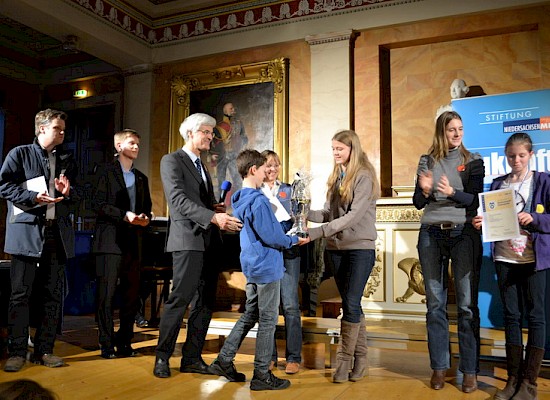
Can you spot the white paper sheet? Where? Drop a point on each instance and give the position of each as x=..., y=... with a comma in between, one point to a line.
x=500, y=219
x=278, y=209
x=38, y=185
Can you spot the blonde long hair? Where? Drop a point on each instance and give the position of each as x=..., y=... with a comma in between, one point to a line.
x=358, y=161
x=440, y=145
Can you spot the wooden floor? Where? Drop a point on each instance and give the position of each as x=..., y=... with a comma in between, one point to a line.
x=393, y=374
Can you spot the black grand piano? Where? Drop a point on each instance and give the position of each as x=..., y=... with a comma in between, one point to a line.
x=157, y=267
x=156, y=272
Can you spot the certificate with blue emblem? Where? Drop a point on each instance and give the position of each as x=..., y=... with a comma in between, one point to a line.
x=500, y=219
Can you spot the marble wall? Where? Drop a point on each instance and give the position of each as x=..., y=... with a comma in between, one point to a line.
x=421, y=76
x=501, y=52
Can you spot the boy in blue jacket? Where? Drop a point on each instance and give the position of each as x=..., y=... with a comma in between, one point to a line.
x=262, y=243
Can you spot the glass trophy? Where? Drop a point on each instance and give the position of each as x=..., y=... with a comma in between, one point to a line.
x=300, y=203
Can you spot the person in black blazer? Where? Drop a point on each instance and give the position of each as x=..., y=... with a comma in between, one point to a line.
x=193, y=239
x=123, y=204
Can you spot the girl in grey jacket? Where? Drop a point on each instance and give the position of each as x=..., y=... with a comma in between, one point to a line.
x=350, y=213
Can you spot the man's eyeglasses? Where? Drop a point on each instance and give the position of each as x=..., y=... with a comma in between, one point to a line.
x=206, y=132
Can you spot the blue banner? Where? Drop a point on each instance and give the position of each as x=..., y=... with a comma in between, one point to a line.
x=490, y=120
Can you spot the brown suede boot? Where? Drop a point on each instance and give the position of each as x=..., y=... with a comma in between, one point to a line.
x=533, y=361
x=514, y=359
x=346, y=348
x=360, y=368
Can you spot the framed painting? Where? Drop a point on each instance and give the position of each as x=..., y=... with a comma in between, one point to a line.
x=250, y=105
x=408, y=285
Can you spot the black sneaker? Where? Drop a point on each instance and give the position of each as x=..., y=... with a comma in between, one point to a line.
x=49, y=360
x=141, y=322
x=108, y=353
x=14, y=364
x=267, y=381
x=226, y=369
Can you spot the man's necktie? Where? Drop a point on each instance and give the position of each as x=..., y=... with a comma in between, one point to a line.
x=198, y=165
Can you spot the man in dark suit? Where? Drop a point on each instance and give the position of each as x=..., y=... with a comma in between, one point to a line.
x=194, y=239
x=36, y=181
x=123, y=204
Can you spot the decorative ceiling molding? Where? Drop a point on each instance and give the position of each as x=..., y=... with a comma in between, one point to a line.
x=347, y=35
x=213, y=20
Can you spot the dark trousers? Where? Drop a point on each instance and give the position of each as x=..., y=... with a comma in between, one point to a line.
x=523, y=291
x=46, y=275
x=195, y=279
x=111, y=268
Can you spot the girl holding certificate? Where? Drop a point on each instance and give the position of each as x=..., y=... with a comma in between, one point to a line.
x=447, y=187
x=521, y=265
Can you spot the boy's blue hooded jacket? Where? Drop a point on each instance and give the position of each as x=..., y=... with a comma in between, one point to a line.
x=262, y=237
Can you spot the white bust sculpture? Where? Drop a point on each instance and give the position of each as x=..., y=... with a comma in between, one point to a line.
x=458, y=90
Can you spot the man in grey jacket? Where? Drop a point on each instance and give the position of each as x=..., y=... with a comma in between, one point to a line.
x=193, y=239
x=36, y=180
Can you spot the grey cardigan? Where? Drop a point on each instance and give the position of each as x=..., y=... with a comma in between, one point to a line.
x=350, y=226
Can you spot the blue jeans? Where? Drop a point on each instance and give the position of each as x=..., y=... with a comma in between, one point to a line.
x=352, y=269
x=463, y=246
x=291, y=311
x=522, y=288
x=262, y=306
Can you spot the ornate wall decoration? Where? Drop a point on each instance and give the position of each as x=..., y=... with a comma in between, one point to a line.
x=408, y=282
x=413, y=269
x=400, y=213
x=374, y=290
x=225, y=18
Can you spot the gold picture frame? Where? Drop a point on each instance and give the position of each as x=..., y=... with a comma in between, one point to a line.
x=198, y=91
